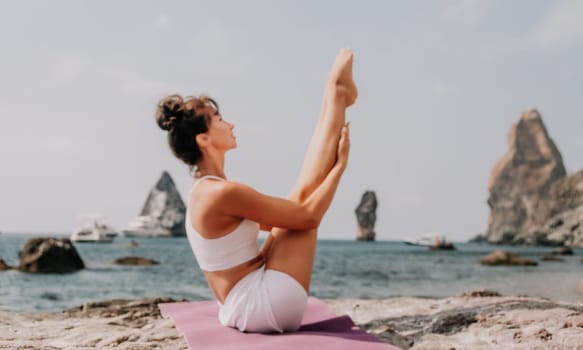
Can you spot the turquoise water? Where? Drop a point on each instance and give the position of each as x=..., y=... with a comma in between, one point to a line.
x=342, y=269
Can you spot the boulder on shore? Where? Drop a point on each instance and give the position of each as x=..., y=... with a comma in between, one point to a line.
x=499, y=257
x=366, y=216
x=49, y=255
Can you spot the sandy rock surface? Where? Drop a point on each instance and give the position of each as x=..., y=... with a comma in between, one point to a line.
x=469, y=322
x=117, y=324
x=476, y=320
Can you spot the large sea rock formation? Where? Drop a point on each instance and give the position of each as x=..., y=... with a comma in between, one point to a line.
x=366, y=216
x=532, y=199
x=563, y=224
x=165, y=205
x=49, y=255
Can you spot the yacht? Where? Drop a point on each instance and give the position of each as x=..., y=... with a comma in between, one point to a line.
x=427, y=239
x=146, y=226
x=94, y=230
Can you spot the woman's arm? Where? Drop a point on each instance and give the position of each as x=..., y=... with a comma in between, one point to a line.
x=266, y=246
x=239, y=200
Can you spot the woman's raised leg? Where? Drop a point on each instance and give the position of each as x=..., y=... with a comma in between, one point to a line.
x=340, y=92
x=290, y=251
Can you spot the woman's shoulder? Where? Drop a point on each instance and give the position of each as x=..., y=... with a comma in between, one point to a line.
x=221, y=189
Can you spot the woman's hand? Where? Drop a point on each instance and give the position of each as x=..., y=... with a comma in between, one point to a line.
x=343, y=146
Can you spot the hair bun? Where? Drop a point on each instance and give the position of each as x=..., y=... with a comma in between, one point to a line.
x=170, y=111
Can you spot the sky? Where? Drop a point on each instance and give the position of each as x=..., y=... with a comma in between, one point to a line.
x=440, y=85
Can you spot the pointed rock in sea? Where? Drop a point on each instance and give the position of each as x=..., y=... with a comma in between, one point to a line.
x=366, y=216
x=165, y=204
x=520, y=182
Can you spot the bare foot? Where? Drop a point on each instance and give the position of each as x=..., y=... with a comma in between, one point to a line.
x=341, y=76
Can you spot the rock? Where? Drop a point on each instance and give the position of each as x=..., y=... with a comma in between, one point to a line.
x=462, y=323
x=442, y=245
x=4, y=266
x=366, y=216
x=499, y=257
x=479, y=238
x=543, y=334
x=468, y=323
x=564, y=213
x=387, y=334
x=134, y=312
x=107, y=325
x=453, y=322
x=406, y=322
x=135, y=260
x=49, y=255
x=165, y=205
x=563, y=251
x=521, y=180
x=550, y=257
x=532, y=200
x=481, y=293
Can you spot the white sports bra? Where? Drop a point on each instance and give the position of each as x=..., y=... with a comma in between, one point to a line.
x=216, y=254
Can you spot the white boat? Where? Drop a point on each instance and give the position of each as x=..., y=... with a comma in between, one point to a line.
x=93, y=229
x=427, y=239
x=145, y=226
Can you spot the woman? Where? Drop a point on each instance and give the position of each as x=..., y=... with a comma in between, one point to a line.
x=258, y=290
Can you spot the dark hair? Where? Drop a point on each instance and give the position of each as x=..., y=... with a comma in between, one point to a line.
x=184, y=118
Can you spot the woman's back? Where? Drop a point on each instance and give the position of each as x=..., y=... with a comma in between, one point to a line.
x=225, y=252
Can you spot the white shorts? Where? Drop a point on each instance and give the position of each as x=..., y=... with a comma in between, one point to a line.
x=264, y=301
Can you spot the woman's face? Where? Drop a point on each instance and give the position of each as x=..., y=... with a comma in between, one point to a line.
x=220, y=132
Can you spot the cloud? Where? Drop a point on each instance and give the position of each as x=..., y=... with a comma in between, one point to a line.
x=442, y=88
x=562, y=26
x=133, y=83
x=162, y=20
x=465, y=11
x=222, y=47
x=67, y=68
x=412, y=199
x=150, y=87
x=48, y=144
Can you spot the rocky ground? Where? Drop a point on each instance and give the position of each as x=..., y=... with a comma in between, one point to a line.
x=475, y=320
x=112, y=324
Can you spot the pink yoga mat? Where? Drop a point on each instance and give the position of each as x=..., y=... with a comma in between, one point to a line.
x=321, y=329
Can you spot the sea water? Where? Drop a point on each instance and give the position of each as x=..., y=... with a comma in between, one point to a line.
x=342, y=269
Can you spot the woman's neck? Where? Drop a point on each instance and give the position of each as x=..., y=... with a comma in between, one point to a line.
x=211, y=165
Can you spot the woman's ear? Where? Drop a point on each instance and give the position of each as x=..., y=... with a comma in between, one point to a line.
x=202, y=139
